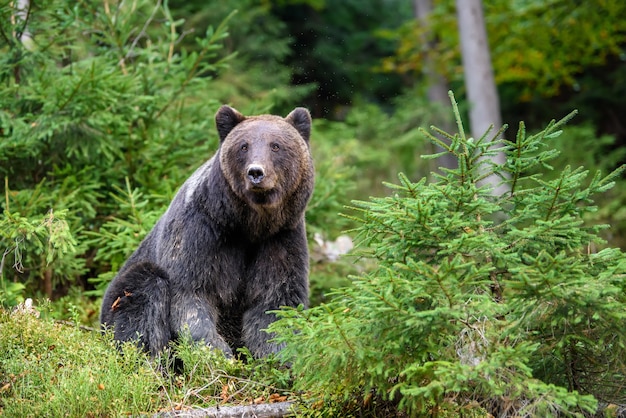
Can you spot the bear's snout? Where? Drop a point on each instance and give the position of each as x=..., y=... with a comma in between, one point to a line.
x=256, y=173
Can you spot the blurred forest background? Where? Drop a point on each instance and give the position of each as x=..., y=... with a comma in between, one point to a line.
x=107, y=107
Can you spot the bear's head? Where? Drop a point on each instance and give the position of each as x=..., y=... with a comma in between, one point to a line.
x=266, y=159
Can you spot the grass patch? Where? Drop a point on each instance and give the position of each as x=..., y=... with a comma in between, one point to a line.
x=49, y=368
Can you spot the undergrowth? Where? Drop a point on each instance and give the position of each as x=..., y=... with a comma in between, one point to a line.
x=49, y=368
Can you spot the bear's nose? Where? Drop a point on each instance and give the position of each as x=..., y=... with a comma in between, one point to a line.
x=255, y=173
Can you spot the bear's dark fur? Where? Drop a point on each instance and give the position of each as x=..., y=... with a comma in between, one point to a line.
x=230, y=247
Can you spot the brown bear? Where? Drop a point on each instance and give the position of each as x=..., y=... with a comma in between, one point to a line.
x=230, y=247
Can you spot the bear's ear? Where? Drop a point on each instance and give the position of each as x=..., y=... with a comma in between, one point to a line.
x=300, y=118
x=226, y=119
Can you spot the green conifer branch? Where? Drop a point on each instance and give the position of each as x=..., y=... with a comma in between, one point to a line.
x=449, y=256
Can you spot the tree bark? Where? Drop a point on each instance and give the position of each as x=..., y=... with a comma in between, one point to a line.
x=47, y=283
x=482, y=95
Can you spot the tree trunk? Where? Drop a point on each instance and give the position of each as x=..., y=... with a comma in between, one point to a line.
x=482, y=95
x=47, y=283
x=437, y=91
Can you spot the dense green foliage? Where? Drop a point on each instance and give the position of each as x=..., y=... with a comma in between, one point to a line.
x=106, y=102
x=103, y=117
x=477, y=301
x=106, y=110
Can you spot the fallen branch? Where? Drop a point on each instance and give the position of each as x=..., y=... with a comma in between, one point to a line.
x=266, y=410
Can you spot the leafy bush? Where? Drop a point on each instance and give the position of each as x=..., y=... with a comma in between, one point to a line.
x=478, y=302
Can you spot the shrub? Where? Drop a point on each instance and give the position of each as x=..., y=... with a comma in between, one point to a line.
x=478, y=302
x=93, y=97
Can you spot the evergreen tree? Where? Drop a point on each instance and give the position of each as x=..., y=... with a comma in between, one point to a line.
x=98, y=96
x=477, y=302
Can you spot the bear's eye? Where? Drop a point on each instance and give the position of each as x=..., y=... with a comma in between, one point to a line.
x=275, y=147
x=244, y=147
